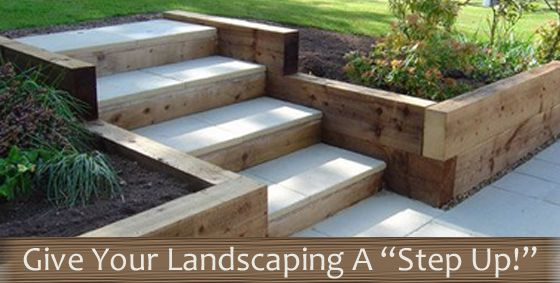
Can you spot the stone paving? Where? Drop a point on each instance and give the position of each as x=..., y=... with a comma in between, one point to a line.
x=526, y=202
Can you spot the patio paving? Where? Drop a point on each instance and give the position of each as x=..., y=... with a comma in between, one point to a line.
x=524, y=203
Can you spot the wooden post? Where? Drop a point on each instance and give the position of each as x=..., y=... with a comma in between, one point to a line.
x=275, y=47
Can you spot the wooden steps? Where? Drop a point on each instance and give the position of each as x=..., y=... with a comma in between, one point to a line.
x=241, y=135
x=163, y=80
x=151, y=95
x=314, y=183
x=133, y=46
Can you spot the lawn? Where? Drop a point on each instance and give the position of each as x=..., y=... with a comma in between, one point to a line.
x=368, y=17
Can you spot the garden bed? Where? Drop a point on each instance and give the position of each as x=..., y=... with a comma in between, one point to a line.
x=435, y=151
x=142, y=189
x=224, y=205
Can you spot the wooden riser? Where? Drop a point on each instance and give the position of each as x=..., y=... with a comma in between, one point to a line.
x=131, y=57
x=264, y=148
x=177, y=103
x=127, y=47
x=306, y=213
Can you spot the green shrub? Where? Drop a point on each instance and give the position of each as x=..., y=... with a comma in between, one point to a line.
x=421, y=56
x=72, y=178
x=45, y=145
x=505, y=16
x=548, y=36
x=33, y=115
x=16, y=173
x=424, y=56
x=504, y=59
x=548, y=42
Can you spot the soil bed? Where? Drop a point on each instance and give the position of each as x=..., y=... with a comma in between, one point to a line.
x=142, y=190
x=321, y=52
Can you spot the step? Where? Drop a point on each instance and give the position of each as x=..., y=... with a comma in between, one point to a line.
x=312, y=184
x=241, y=135
x=132, y=46
x=151, y=95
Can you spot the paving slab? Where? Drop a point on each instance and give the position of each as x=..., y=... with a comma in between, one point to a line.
x=524, y=203
x=119, y=34
x=541, y=169
x=385, y=214
x=310, y=173
x=159, y=80
x=530, y=186
x=436, y=228
x=201, y=133
x=551, y=154
x=497, y=212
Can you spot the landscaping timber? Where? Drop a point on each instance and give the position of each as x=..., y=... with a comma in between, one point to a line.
x=435, y=151
x=132, y=46
x=201, y=214
x=275, y=47
x=74, y=76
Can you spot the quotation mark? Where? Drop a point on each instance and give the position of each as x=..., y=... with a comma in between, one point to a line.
x=391, y=252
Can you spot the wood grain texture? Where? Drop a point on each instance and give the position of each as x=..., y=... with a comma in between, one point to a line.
x=275, y=47
x=381, y=124
x=135, y=113
x=540, y=268
x=260, y=149
x=505, y=150
x=456, y=126
x=233, y=205
x=409, y=174
x=314, y=209
x=138, y=55
x=223, y=210
x=381, y=117
x=74, y=76
x=157, y=156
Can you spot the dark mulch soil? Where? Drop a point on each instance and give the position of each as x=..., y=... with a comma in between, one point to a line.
x=321, y=52
x=142, y=190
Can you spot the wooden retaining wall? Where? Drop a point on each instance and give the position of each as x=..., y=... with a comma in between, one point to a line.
x=491, y=128
x=230, y=206
x=275, y=47
x=74, y=76
x=434, y=151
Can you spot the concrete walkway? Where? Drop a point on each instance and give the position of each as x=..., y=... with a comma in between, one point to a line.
x=525, y=202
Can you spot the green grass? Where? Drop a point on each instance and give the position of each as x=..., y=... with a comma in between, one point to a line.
x=368, y=17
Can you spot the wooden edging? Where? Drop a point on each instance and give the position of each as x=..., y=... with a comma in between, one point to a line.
x=74, y=76
x=435, y=151
x=460, y=124
x=232, y=205
x=275, y=47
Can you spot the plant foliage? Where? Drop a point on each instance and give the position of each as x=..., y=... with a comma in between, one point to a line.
x=72, y=178
x=16, y=173
x=423, y=55
x=44, y=145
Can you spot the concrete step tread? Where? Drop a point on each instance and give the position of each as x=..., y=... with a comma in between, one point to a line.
x=151, y=81
x=222, y=127
x=309, y=173
x=118, y=34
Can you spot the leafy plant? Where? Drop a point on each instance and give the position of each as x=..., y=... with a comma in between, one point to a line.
x=16, y=173
x=36, y=116
x=421, y=56
x=46, y=145
x=548, y=36
x=72, y=178
x=504, y=59
x=505, y=15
